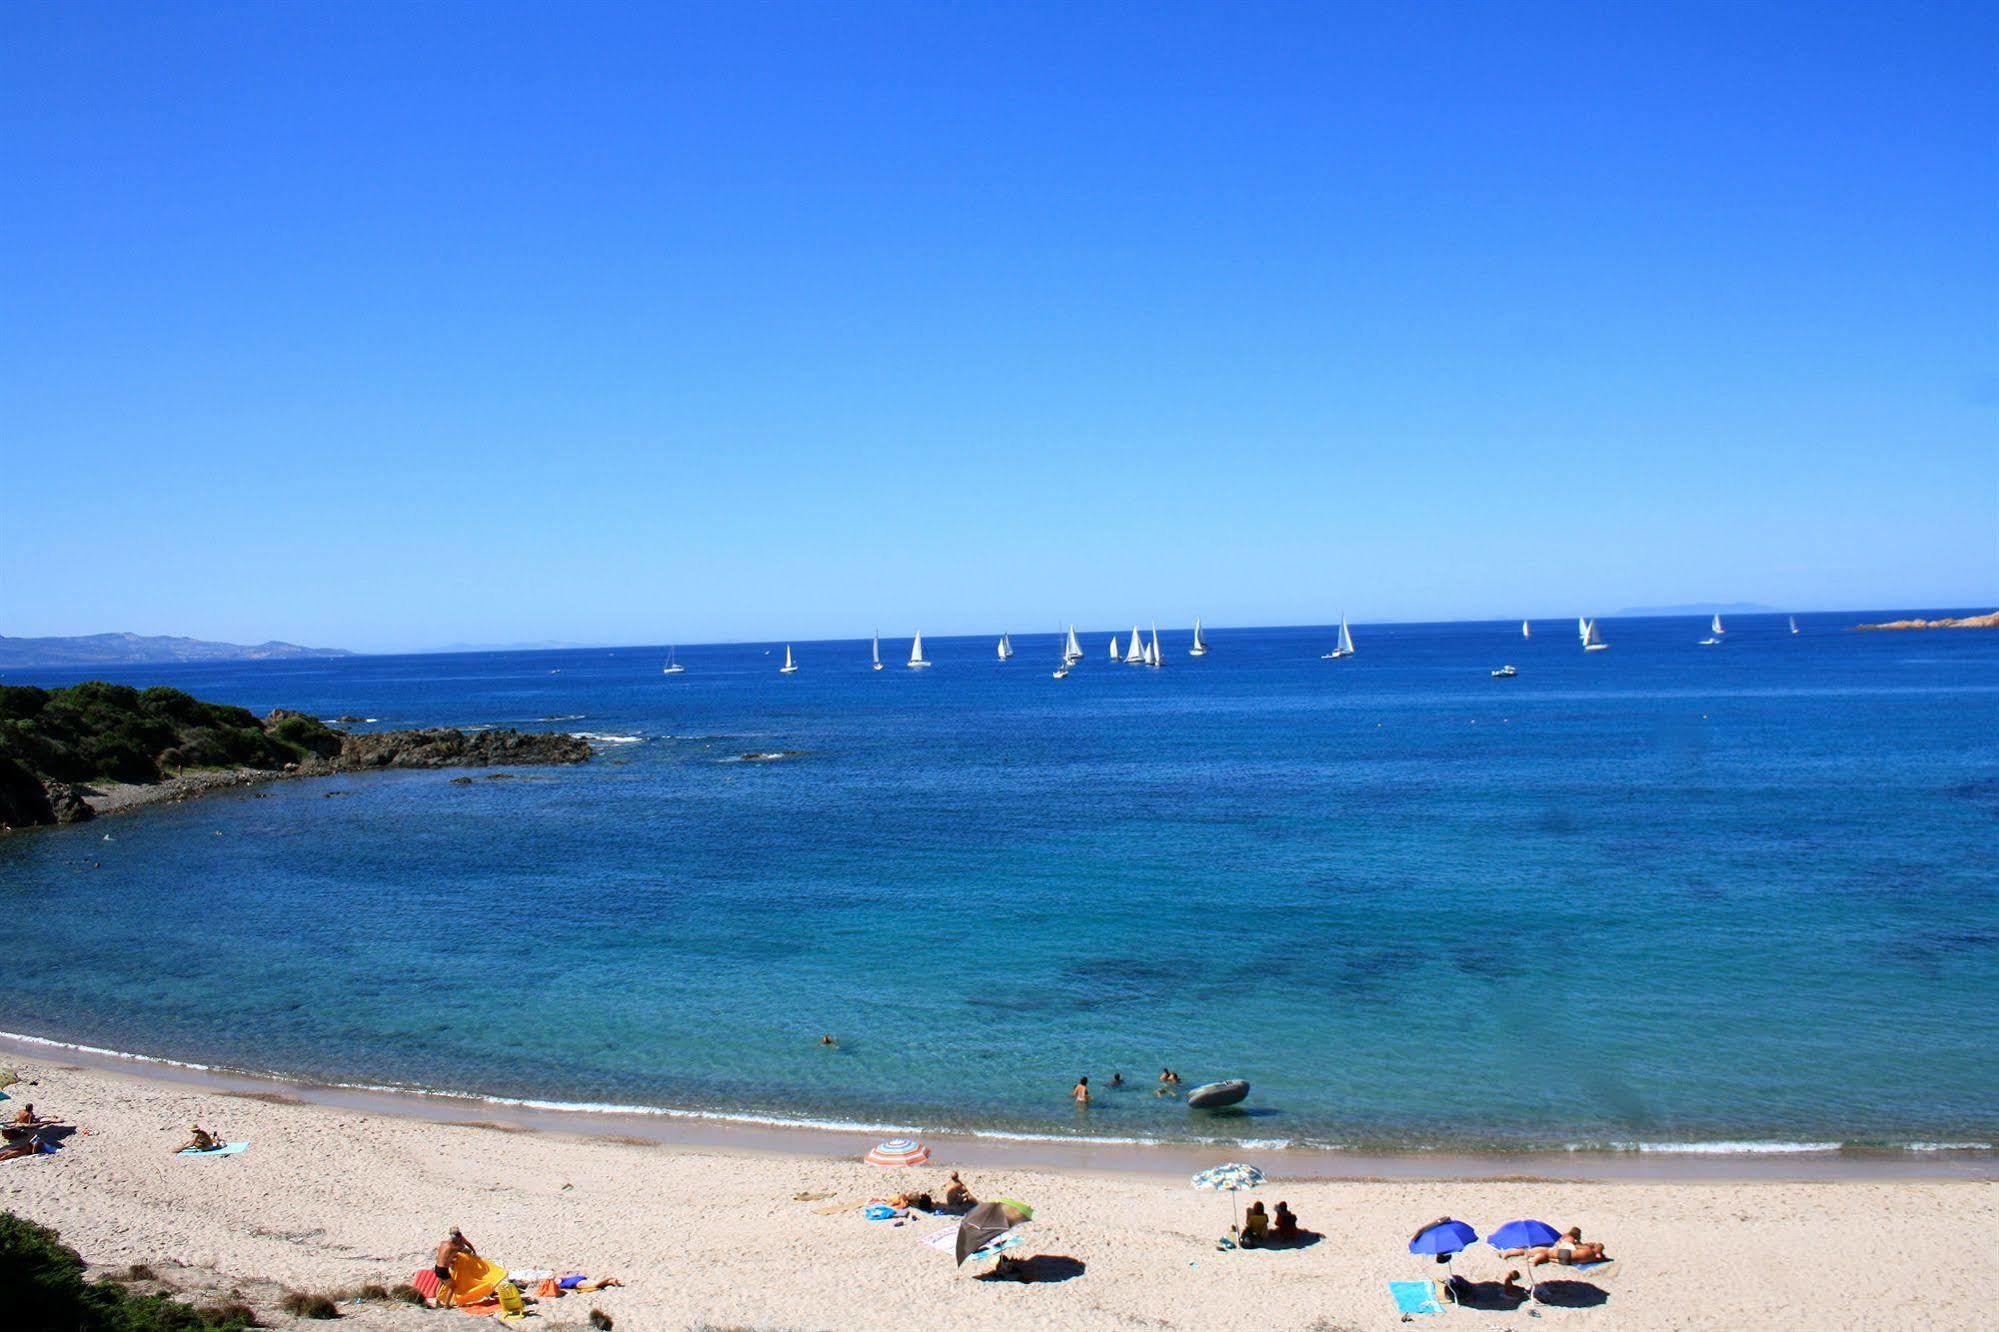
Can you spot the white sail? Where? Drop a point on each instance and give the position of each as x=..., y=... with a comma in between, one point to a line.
x=1592, y=638
x=1152, y=656
x=916, y=652
x=789, y=666
x=878, y=650
x=673, y=666
x=1005, y=648
x=1794, y=624
x=1072, y=649
x=1715, y=628
x=1135, y=654
x=1200, y=648
x=1117, y=654
x=1582, y=630
x=1526, y=629
x=1346, y=638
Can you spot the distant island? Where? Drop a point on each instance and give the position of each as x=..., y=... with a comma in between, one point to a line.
x=1702, y=608
x=1962, y=622
x=139, y=650
x=67, y=755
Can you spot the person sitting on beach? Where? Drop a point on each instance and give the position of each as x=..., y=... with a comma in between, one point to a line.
x=1080, y=1093
x=1255, y=1227
x=1284, y=1224
x=202, y=1141
x=957, y=1195
x=27, y=1118
x=1511, y=1287
x=454, y=1246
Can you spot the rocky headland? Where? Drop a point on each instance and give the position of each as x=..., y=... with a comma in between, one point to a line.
x=1962, y=622
x=68, y=755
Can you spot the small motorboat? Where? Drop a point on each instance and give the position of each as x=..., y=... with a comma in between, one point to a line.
x=1504, y=673
x=1215, y=1095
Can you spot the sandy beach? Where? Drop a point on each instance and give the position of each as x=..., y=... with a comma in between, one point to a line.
x=330, y=1198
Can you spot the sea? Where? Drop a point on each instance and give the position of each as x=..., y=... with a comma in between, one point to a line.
x=1663, y=897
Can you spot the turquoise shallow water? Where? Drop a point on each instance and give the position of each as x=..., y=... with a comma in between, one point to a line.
x=1660, y=894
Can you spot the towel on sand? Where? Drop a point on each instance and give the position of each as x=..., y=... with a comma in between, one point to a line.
x=226, y=1149
x=1415, y=1297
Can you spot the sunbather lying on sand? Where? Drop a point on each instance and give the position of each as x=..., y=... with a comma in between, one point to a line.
x=202, y=1141
x=20, y=1142
x=578, y=1282
x=1569, y=1250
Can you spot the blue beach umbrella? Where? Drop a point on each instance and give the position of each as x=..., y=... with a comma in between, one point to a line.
x=1443, y=1240
x=1524, y=1234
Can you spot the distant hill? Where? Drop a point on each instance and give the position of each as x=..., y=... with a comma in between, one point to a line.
x=135, y=650
x=1703, y=608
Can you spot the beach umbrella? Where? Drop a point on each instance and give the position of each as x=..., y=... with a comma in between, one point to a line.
x=985, y=1226
x=1443, y=1240
x=1524, y=1234
x=1231, y=1179
x=898, y=1152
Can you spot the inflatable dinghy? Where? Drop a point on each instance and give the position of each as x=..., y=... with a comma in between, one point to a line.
x=1214, y=1095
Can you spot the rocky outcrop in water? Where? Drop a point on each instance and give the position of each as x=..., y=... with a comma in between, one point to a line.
x=447, y=748
x=67, y=755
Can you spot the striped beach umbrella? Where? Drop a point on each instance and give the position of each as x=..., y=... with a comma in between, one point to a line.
x=1231, y=1179
x=898, y=1152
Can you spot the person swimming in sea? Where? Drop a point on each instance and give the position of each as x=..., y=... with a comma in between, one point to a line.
x=1168, y=1081
x=828, y=1040
x=1117, y=1079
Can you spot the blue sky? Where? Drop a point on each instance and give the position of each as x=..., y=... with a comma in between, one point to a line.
x=387, y=326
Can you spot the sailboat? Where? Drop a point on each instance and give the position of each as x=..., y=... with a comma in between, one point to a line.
x=1526, y=629
x=1344, y=648
x=1794, y=624
x=916, y=661
x=1200, y=648
x=1117, y=653
x=1072, y=651
x=878, y=649
x=1714, y=633
x=1582, y=629
x=790, y=666
x=672, y=666
x=1005, y=648
x=1152, y=656
x=1135, y=654
x=1592, y=640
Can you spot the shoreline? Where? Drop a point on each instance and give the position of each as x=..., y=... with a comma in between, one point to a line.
x=330, y=1200
x=718, y=1131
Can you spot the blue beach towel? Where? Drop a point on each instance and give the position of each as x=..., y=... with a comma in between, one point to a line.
x=226, y=1149
x=1415, y=1297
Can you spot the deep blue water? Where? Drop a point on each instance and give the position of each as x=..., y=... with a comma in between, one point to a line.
x=1662, y=893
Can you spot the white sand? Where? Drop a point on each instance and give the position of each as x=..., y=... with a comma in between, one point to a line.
x=327, y=1199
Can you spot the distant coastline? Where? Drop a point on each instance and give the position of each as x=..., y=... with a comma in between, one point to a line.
x=88, y=650
x=1990, y=621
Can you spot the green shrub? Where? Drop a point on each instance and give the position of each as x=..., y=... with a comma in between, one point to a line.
x=44, y=1285
x=304, y=1304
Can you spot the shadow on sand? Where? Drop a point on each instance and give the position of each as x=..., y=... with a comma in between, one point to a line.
x=1040, y=1267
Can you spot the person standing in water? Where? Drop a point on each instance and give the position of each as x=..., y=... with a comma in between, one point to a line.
x=1080, y=1094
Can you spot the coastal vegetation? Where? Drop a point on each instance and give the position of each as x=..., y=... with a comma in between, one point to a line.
x=46, y=1288
x=56, y=743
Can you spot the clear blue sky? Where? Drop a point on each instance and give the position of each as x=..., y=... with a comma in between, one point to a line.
x=391, y=325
